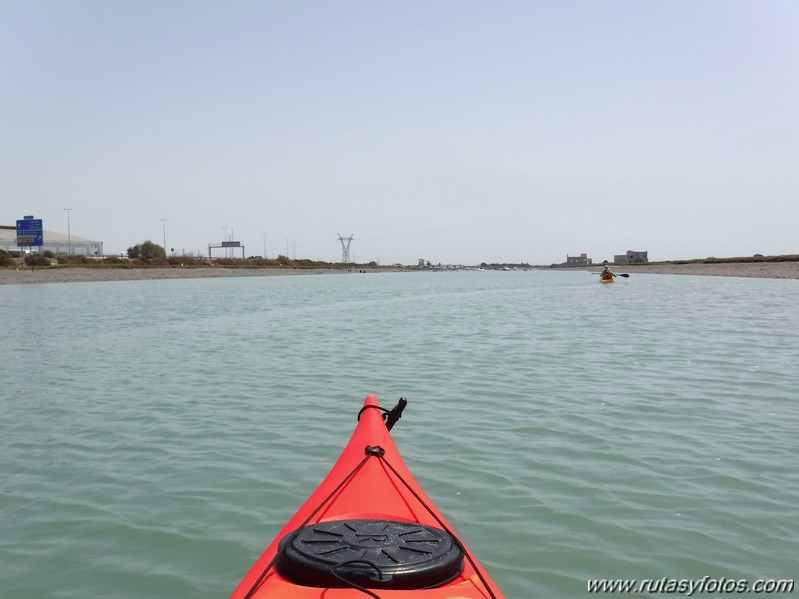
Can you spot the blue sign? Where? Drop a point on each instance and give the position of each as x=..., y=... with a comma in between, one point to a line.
x=29, y=232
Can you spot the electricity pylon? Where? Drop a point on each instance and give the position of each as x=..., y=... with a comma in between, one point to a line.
x=345, y=249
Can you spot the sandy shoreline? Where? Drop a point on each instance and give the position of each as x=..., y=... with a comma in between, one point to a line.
x=759, y=270
x=763, y=270
x=25, y=275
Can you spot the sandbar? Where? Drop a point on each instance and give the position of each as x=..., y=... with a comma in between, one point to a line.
x=759, y=270
x=26, y=275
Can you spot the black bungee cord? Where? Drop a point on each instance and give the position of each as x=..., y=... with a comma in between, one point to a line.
x=307, y=520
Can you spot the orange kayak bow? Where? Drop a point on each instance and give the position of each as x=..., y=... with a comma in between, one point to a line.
x=369, y=530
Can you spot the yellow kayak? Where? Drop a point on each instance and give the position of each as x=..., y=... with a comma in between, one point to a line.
x=611, y=280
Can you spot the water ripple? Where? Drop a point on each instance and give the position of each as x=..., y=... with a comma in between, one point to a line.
x=155, y=440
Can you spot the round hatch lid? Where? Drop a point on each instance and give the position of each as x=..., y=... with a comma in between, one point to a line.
x=382, y=554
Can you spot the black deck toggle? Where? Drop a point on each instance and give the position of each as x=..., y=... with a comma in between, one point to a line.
x=375, y=450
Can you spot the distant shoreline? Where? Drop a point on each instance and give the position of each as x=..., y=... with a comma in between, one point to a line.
x=23, y=276
x=759, y=270
x=26, y=275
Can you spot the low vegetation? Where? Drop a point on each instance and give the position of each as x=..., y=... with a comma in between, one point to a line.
x=152, y=255
x=755, y=258
x=6, y=259
x=147, y=255
x=37, y=260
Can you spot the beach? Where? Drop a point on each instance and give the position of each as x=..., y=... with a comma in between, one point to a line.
x=760, y=270
x=25, y=275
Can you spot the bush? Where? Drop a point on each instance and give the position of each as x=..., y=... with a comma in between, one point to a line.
x=37, y=260
x=147, y=251
x=186, y=261
x=6, y=259
x=74, y=259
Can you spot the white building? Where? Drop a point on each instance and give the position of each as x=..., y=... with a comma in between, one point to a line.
x=58, y=243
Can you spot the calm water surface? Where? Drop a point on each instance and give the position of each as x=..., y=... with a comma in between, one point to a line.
x=155, y=435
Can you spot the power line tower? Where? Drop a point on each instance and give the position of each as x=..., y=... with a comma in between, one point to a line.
x=345, y=249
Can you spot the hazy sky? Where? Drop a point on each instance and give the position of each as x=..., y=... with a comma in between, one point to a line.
x=456, y=131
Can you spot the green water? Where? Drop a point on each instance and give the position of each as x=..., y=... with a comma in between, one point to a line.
x=155, y=435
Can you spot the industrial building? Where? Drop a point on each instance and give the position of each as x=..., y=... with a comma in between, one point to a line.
x=581, y=260
x=58, y=243
x=631, y=257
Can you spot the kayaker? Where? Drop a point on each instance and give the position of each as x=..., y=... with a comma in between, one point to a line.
x=607, y=274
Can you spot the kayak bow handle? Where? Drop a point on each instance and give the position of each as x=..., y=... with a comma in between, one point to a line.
x=391, y=416
x=395, y=413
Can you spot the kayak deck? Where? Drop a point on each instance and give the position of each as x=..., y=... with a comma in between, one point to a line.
x=369, y=525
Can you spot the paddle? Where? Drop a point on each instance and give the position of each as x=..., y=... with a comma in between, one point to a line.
x=620, y=274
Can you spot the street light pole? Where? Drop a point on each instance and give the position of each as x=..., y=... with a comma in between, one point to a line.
x=163, y=220
x=69, y=233
x=264, y=234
